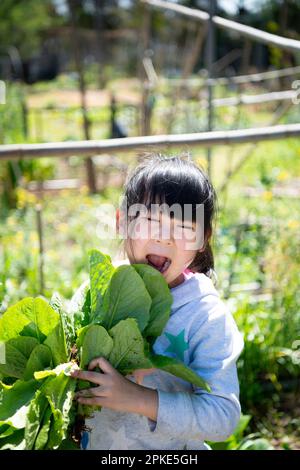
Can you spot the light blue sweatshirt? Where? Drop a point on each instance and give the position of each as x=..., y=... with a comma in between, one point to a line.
x=202, y=333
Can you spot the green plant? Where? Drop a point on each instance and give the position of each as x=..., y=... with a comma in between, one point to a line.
x=237, y=441
x=117, y=315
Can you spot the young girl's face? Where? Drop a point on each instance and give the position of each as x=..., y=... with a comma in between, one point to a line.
x=162, y=242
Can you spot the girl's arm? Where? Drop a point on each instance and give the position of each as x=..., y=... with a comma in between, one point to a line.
x=214, y=347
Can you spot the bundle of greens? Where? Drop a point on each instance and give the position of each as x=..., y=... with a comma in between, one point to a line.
x=117, y=314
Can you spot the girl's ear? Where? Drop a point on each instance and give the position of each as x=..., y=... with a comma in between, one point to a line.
x=119, y=221
x=203, y=247
x=206, y=241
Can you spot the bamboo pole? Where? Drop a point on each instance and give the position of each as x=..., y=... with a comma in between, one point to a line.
x=210, y=57
x=76, y=44
x=86, y=148
x=238, y=79
x=280, y=112
x=284, y=95
x=243, y=30
x=38, y=210
x=257, y=77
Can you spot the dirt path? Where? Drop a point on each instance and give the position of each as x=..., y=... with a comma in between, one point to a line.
x=125, y=91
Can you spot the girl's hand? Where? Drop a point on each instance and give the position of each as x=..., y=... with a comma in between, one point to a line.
x=114, y=390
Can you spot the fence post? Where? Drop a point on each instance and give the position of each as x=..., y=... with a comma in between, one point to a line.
x=38, y=209
x=210, y=48
x=91, y=177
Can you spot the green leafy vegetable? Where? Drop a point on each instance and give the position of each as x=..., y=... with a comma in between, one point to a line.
x=117, y=314
x=161, y=300
x=29, y=317
x=96, y=343
x=17, y=353
x=39, y=359
x=101, y=271
x=128, y=352
x=175, y=367
x=125, y=297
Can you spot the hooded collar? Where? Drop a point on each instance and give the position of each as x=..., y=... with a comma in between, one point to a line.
x=195, y=285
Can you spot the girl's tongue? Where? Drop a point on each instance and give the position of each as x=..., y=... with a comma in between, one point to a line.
x=161, y=263
x=157, y=261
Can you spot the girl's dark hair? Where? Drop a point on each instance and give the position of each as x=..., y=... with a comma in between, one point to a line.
x=162, y=179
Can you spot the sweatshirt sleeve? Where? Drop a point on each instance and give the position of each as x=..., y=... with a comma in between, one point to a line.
x=214, y=347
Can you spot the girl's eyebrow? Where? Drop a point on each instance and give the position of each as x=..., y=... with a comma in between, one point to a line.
x=178, y=223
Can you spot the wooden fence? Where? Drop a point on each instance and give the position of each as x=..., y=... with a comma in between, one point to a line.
x=87, y=148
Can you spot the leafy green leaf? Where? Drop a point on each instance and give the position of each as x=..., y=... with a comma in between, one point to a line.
x=6, y=430
x=14, y=422
x=256, y=444
x=29, y=317
x=56, y=341
x=68, y=444
x=236, y=439
x=66, y=368
x=57, y=304
x=242, y=425
x=101, y=271
x=79, y=308
x=39, y=359
x=81, y=334
x=116, y=315
x=96, y=342
x=161, y=299
x=35, y=414
x=42, y=437
x=17, y=353
x=179, y=369
x=13, y=398
x=125, y=297
x=129, y=348
x=59, y=391
x=14, y=442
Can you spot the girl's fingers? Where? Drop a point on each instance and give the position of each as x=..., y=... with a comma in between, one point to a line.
x=91, y=401
x=89, y=393
x=94, y=377
x=95, y=363
x=102, y=363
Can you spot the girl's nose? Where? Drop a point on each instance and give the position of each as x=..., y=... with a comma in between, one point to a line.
x=166, y=242
x=164, y=234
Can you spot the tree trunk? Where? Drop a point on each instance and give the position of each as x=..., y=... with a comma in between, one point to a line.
x=91, y=178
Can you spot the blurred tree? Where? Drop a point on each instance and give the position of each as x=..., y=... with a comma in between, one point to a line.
x=281, y=17
x=23, y=22
x=76, y=43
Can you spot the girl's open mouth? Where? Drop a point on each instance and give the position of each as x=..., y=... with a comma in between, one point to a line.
x=161, y=263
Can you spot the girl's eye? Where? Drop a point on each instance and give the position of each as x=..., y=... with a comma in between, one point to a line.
x=153, y=221
x=184, y=227
x=185, y=233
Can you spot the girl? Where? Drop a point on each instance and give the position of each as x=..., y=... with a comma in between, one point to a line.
x=153, y=409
